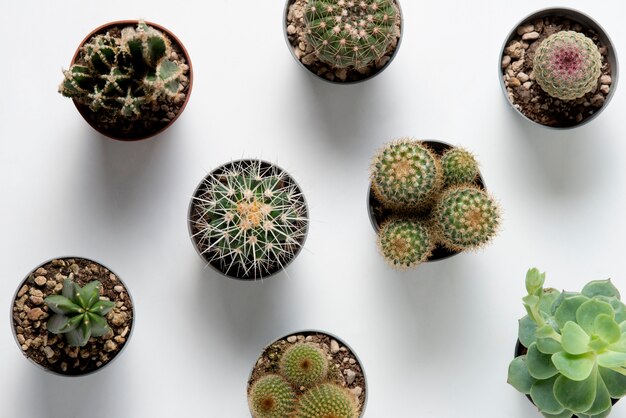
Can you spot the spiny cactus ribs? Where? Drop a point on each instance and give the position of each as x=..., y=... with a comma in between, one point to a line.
x=567, y=65
x=272, y=397
x=124, y=76
x=327, y=400
x=351, y=33
x=406, y=175
x=459, y=167
x=304, y=365
x=249, y=219
x=404, y=243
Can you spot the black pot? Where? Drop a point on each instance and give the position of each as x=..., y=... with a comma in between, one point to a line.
x=378, y=214
x=223, y=265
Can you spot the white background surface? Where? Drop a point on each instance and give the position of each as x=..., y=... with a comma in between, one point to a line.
x=435, y=341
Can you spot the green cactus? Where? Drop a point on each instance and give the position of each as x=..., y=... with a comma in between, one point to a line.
x=576, y=349
x=466, y=218
x=78, y=312
x=406, y=175
x=327, y=400
x=404, y=243
x=567, y=65
x=304, y=365
x=252, y=218
x=459, y=167
x=351, y=33
x=121, y=77
x=272, y=397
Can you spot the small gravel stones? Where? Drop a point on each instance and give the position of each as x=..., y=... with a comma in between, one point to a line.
x=295, y=30
x=29, y=316
x=528, y=97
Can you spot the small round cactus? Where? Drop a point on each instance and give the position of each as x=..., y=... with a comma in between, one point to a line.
x=327, y=400
x=351, y=33
x=249, y=218
x=459, y=167
x=272, y=397
x=304, y=365
x=466, y=218
x=406, y=175
x=567, y=65
x=404, y=243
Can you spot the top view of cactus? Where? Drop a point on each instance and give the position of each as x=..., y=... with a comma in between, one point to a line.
x=249, y=219
x=567, y=65
x=310, y=375
x=131, y=80
x=574, y=357
x=350, y=33
x=427, y=202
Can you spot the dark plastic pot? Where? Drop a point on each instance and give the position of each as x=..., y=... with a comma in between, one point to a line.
x=29, y=279
x=86, y=113
x=374, y=72
x=221, y=266
x=586, y=22
x=306, y=333
x=378, y=214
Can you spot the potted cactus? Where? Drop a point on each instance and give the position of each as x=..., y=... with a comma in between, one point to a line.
x=571, y=355
x=427, y=202
x=248, y=219
x=72, y=316
x=129, y=79
x=559, y=68
x=310, y=374
x=343, y=41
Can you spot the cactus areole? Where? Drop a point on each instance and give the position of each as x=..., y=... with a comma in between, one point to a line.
x=129, y=79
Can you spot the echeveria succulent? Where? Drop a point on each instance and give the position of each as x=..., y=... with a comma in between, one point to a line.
x=79, y=313
x=576, y=349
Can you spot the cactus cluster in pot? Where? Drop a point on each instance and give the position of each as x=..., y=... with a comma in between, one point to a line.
x=434, y=200
x=301, y=387
x=575, y=343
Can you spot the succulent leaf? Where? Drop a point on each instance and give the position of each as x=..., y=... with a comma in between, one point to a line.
x=542, y=394
x=576, y=396
x=62, y=305
x=574, y=367
x=600, y=288
x=574, y=339
x=567, y=309
x=519, y=377
x=591, y=310
x=539, y=364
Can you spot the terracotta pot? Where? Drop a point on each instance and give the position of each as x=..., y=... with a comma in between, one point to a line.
x=86, y=112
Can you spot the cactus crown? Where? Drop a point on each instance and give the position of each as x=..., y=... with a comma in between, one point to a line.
x=404, y=243
x=350, y=33
x=459, y=166
x=576, y=345
x=78, y=312
x=120, y=76
x=272, y=397
x=304, y=365
x=466, y=218
x=567, y=65
x=406, y=175
x=252, y=218
x=327, y=401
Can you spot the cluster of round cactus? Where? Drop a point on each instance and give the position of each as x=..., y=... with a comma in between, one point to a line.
x=249, y=218
x=119, y=77
x=567, y=65
x=351, y=33
x=302, y=389
x=435, y=201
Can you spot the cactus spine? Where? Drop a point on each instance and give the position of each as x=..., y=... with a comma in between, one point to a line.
x=466, y=218
x=304, y=365
x=272, y=397
x=327, y=400
x=406, y=175
x=459, y=166
x=351, y=33
x=252, y=218
x=404, y=243
x=567, y=65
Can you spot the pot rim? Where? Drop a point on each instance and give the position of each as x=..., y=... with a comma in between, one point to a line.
x=583, y=19
x=371, y=76
x=191, y=205
x=173, y=38
x=372, y=218
x=332, y=336
x=19, y=346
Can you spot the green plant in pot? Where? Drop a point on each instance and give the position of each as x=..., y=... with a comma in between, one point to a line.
x=575, y=343
x=129, y=81
x=427, y=201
